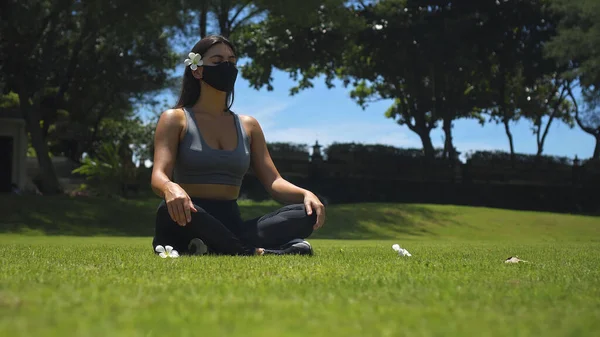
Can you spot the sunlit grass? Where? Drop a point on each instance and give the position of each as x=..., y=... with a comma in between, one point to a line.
x=455, y=284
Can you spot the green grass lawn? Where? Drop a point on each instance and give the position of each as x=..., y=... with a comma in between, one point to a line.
x=84, y=267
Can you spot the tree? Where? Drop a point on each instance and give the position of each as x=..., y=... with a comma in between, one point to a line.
x=76, y=57
x=225, y=15
x=438, y=61
x=304, y=44
x=544, y=103
x=511, y=37
x=576, y=41
x=576, y=47
x=400, y=50
x=587, y=115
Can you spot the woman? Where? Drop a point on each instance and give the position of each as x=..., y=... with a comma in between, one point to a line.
x=202, y=152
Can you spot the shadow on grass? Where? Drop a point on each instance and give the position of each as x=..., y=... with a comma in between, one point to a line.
x=382, y=221
x=125, y=217
x=371, y=221
x=63, y=215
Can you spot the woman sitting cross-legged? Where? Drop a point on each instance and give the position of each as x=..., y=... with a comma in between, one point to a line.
x=202, y=152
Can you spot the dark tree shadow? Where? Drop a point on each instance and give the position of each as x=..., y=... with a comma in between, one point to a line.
x=382, y=221
x=88, y=216
x=83, y=216
x=374, y=221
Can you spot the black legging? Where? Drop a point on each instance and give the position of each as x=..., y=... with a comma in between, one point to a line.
x=219, y=224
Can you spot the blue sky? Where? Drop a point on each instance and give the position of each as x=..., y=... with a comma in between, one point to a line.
x=330, y=115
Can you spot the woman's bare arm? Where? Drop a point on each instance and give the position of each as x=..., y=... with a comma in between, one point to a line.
x=278, y=187
x=166, y=140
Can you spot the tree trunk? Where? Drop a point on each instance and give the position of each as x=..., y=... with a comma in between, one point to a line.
x=448, y=142
x=505, y=116
x=506, y=122
x=223, y=18
x=540, y=138
x=538, y=155
x=587, y=129
x=544, y=135
x=540, y=150
x=49, y=183
x=597, y=148
x=425, y=136
x=203, y=18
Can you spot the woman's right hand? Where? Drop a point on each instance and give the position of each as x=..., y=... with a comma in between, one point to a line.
x=179, y=203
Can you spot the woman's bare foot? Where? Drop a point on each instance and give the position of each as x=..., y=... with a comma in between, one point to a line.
x=260, y=251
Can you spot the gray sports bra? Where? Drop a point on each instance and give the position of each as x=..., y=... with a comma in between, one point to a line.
x=198, y=163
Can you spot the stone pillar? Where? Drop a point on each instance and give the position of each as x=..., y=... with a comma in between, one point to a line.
x=316, y=162
x=15, y=128
x=316, y=156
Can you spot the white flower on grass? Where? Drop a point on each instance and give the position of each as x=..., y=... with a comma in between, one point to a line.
x=401, y=251
x=514, y=259
x=193, y=61
x=166, y=251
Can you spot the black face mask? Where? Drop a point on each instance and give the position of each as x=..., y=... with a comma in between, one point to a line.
x=221, y=76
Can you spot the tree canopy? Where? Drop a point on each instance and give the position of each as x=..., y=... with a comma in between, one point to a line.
x=77, y=72
x=438, y=61
x=79, y=62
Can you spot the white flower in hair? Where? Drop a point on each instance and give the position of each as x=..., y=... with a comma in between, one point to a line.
x=193, y=61
x=166, y=251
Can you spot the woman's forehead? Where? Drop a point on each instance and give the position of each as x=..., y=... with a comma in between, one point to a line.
x=219, y=49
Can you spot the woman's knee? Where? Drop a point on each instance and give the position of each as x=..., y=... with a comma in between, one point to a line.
x=307, y=220
x=162, y=210
x=293, y=207
x=162, y=215
x=311, y=218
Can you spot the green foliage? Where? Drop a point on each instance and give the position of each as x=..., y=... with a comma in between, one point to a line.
x=105, y=166
x=219, y=16
x=116, y=160
x=138, y=135
x=576, y=44
x=587, y=114
x=590, y=114
x=386, y=153
x=9, y=101
x=108, y=171
x=543, y=103
x=373, y=153
x=79, y=62
x=436, y=60
x=576, y=48
x=287, y=148
x=101, y=47
x=502, y=158
x=307, y=43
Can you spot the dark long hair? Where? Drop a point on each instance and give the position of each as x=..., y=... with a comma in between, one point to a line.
x=190, y=87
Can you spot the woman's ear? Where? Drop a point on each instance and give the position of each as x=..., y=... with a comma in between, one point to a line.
x=198, y=73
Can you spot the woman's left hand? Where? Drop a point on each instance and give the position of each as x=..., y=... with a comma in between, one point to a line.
x=313, y=204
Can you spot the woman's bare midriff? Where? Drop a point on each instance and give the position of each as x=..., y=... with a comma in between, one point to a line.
x=211, y=191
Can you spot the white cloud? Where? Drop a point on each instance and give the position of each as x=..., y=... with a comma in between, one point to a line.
x=466, y=147
x=265, y=110
x=400, y=138
x=475, y=146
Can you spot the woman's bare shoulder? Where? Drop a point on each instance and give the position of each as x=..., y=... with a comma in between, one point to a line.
x=249, y=122
x=172, y=114
x=172, y=118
